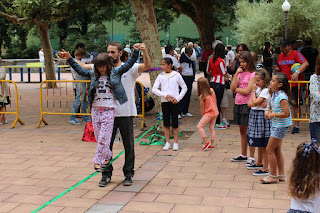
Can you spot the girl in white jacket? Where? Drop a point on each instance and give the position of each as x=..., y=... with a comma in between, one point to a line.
x=170, y=81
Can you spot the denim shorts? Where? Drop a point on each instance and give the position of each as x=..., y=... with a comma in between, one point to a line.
x=279, y=132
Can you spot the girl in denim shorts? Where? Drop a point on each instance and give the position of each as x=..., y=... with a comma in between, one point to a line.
x=281, y=121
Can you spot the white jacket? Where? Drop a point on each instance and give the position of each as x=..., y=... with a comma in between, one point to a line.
x=169, y=86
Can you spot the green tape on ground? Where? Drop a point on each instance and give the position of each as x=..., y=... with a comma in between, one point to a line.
x=90, y=176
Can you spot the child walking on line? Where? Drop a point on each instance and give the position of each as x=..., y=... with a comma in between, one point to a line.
x=104, y=92
x=281, y=121
x=304, y=179
x=259, y=126
x=170, y=81
x=241, y=84
x=209, y=111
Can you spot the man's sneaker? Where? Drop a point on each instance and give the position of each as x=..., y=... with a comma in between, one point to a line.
x=175, y=147
x=225, y=122
x=211, y=147
x=187, y=115
x=127, y=181
x=295, y=130
x=260, y=173
x=74, y=121
x=219, y=126
x=239, y=158
x=86, y=119
x=254, y=166
x=205, y=147
x=179, y=116
x=104, y=181
x=166, y=147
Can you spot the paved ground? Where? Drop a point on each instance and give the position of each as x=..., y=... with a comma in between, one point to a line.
x=38, y=164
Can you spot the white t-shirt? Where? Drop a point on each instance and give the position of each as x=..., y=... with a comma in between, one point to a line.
x=230, y=56
x=128, y=81
x=41, y=56
x=175, y=61
x=104, y=96
x=267, y=98
x=312, y=204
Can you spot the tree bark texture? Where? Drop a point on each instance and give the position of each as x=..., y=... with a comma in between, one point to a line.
x=43, y=29
x=146, y=24
x=201, y=13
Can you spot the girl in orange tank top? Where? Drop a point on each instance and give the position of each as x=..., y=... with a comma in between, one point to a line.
x=209, y=111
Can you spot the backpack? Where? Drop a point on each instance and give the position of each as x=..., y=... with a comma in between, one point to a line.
x=88, y=133
x=148, y=101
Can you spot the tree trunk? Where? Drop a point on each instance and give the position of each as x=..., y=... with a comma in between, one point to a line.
x=43, y=29
x=201, y=13
x=147, y=25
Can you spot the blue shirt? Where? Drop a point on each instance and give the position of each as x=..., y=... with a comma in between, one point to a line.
x=277, y=97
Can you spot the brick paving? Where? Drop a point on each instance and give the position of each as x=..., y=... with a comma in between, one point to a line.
x=38, y=164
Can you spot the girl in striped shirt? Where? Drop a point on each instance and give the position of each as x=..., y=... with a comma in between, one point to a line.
x=217, y=70
x=281, y=121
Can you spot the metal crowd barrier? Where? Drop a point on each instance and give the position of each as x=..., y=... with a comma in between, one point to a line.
x=61, y=104
x=303, y=90
x=59, y=101
x=12, y=99
x=28, y=66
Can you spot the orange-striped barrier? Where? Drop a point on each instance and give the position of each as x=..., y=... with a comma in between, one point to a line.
x=305, y=107
x=9, y=99
x=59, y=100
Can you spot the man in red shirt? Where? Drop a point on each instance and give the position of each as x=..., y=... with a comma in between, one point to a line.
x=285, y=60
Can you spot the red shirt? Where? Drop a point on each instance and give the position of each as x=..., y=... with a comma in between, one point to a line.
x=217, y=70
x=206, y=54
x=286, y=61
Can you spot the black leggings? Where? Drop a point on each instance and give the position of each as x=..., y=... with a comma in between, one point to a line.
x=219, y=90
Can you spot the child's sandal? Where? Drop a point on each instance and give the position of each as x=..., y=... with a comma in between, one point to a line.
x=265, y=180
x=282, y=178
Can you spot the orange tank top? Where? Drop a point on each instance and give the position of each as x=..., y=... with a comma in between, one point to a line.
x=210, y=105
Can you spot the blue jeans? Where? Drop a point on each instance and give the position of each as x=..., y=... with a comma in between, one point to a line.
x=76, y=104
x=315, y=131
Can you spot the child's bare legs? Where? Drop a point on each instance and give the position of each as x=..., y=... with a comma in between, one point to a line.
x=223, y=111
x=167, y=133
x=273, y=144
x=260, y=156
x=252, y=150
x=212, y=130
x=265, y=159
x=2, y=118
x=243, y=133
x=204, y=120
x=175, y=134
x=280, y=159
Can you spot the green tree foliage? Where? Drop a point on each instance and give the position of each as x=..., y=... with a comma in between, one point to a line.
x=262, y=21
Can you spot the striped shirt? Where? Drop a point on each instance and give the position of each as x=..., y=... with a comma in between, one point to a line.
x=217, y=70
x=277, y=97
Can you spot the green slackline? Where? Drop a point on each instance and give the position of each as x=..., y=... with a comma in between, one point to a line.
x=90, y=176
x=156, y=138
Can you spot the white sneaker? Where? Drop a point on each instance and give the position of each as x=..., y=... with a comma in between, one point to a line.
x=224, y=120
x=166, y=147
x=187, y=115
x=179, y=116
x=175, y=147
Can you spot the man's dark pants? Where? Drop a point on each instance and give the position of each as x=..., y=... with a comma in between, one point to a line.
x=184, y=103
x=125, y=125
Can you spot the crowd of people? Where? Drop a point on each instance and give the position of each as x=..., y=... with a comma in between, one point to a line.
x=262, y=111
x=263, y=96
